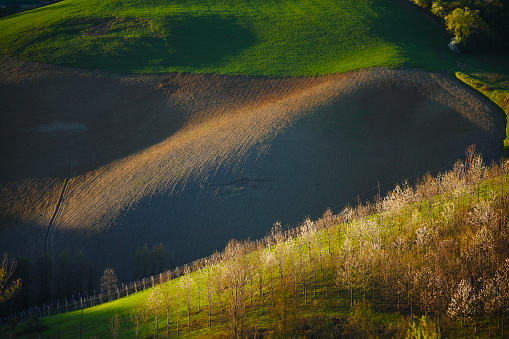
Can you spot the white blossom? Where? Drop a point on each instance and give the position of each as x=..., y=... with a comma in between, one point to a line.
x=462, y=302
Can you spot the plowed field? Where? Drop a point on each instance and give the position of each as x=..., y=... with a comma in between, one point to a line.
x=107, y=162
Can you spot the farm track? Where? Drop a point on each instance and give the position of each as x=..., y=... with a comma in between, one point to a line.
x=48, y=247
x=193, y=160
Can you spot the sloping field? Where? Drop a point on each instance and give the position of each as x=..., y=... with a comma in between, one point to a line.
x=270, y=37
x=105, y=162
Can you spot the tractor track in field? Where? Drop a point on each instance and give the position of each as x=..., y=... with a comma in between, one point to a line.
x=48, y=242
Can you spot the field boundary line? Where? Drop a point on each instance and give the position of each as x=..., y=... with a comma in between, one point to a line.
x=57, y=208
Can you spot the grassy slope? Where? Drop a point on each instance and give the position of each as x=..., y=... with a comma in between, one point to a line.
x=275, y=38
x=322, y=308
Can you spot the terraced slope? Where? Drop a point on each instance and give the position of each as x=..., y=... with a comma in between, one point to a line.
x=276, y=38
x=106, y=162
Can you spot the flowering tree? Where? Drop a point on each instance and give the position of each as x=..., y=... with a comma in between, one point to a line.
x=8, y=267
x=236, y=275
x=109, y=281
x=153, y=302
x=462, y=304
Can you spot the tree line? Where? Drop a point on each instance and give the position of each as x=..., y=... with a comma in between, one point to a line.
x=475, y=24
x=438, y=250
x=72, y=274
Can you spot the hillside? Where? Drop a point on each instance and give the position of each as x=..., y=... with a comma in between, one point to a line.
x=191, y=161
x=275, y=38
x=439, y=248
x=175, y=126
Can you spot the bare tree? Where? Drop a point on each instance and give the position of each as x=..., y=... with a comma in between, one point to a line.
x=135, y=316
x=145, y=317
x=177, y=305
x=270, y=264
x=167, y=298
x=8, y=267
x=282, y=255
x=259, y=261
x=348, y=267
x=236, y=271
x=187, y=284
x=115, y=326
x=153, y=302
x=208, y=273
x=197, y=265
x=218, y=275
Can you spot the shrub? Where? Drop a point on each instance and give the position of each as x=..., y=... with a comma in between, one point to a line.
x=32, y=328
x=422, y=3
x=487, y=87
x=360, y=323
x=423, y=328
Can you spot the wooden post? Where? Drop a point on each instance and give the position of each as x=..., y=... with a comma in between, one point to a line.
x=81, y=320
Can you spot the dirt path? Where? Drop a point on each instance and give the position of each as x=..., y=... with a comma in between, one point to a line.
x=48, y=242
x=194, y=160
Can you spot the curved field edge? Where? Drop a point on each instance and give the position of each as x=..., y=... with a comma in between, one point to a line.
x=411, y=225
x=489, y=75
x=274, y=38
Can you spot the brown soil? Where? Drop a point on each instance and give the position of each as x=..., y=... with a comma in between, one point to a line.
x=108, y=162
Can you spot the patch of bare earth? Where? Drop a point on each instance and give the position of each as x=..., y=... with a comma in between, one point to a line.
x=195, y=160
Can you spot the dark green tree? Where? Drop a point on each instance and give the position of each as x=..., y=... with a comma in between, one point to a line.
x=141, y=261
x=158, y=258
x=464, y=22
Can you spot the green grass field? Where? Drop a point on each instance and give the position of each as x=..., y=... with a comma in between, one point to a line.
x=274, y=38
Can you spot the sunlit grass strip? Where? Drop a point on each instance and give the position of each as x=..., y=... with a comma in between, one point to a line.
x=496, y=90
x=488, y=74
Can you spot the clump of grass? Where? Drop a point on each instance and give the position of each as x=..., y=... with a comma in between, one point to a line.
x=33, y=327
x=486, y=88
x=505, y=102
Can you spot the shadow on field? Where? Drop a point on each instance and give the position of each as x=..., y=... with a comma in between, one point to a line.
x=404, y=31
x=191, y=161
x=357, y=144
x=206, y=40
x=74, y=120
x=128, y=45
